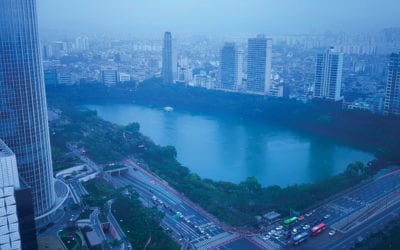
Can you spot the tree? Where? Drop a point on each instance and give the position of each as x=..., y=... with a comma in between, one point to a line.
x=251, y=184
x=133, y=127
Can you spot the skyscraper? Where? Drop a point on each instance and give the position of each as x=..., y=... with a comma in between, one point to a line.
x=167, y=75
x=259, y=64
x=328, y=75
x=229, y=67
x=17, y=225
x=392, y=97
x=82, y=43
x=23, y=108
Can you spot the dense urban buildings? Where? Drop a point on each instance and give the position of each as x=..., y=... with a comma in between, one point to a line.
x=23, y=120
x=229, y=67
x=167, y=70
x=392, y=98
x=259, y=64
x=328, y=75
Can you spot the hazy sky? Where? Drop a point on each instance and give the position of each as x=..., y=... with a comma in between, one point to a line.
x=217, y=16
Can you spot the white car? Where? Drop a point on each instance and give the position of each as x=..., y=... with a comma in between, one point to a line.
x=279, y=228
x=327, y=216
x=305, y=227
x=332, y=233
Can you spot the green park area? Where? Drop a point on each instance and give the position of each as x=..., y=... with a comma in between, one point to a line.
x=72, y=239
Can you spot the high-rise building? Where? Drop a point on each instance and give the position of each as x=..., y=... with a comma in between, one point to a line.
x=109, y=76
x=17, y=225
x=23, y=108
x=259, y=64
x=392, y=97
x=167, y=74
x=229, y=67
x=82, y=43
x=328, y=75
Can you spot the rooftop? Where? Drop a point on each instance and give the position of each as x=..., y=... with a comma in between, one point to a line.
x=5, y=150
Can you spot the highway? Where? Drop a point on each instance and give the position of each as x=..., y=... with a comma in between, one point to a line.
x=188, y=225
x=349, y=218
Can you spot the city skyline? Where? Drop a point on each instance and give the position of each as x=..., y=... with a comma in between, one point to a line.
x=199, y=124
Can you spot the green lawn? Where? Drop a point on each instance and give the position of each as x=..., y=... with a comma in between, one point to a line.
x=71, y=239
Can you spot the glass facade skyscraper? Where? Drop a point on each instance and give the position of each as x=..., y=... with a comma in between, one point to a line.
x=259, y=64
x=229, y=69
x=167, y=74
x=23, y=108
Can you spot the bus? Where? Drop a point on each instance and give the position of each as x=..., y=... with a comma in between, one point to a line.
x=318, y=229
x=290, y=221
x=300, y=238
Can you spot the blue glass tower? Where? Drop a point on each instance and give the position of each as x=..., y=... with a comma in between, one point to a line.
x=23, y=108
x=229, y=69
x=259, y=64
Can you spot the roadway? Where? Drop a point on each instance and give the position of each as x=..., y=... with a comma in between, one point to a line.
x=350, y=217
x=187, y=224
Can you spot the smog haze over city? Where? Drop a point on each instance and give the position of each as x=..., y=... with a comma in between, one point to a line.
x=199, y=124
x=224, y=17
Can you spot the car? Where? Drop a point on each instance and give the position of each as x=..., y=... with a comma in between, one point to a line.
x=273, y=231
x=305, y=227
x=332, y=233
x=294, y=230
x=308, y=214
x=301, y=218
x=279, y=228
x=327, y=216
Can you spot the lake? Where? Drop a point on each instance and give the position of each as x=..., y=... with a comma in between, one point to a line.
x=221, y=148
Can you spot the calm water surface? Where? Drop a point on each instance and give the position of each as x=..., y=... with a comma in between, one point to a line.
x=231, y=150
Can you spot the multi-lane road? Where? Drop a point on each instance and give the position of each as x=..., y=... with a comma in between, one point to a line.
x=188, y=223
x=349, y=218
